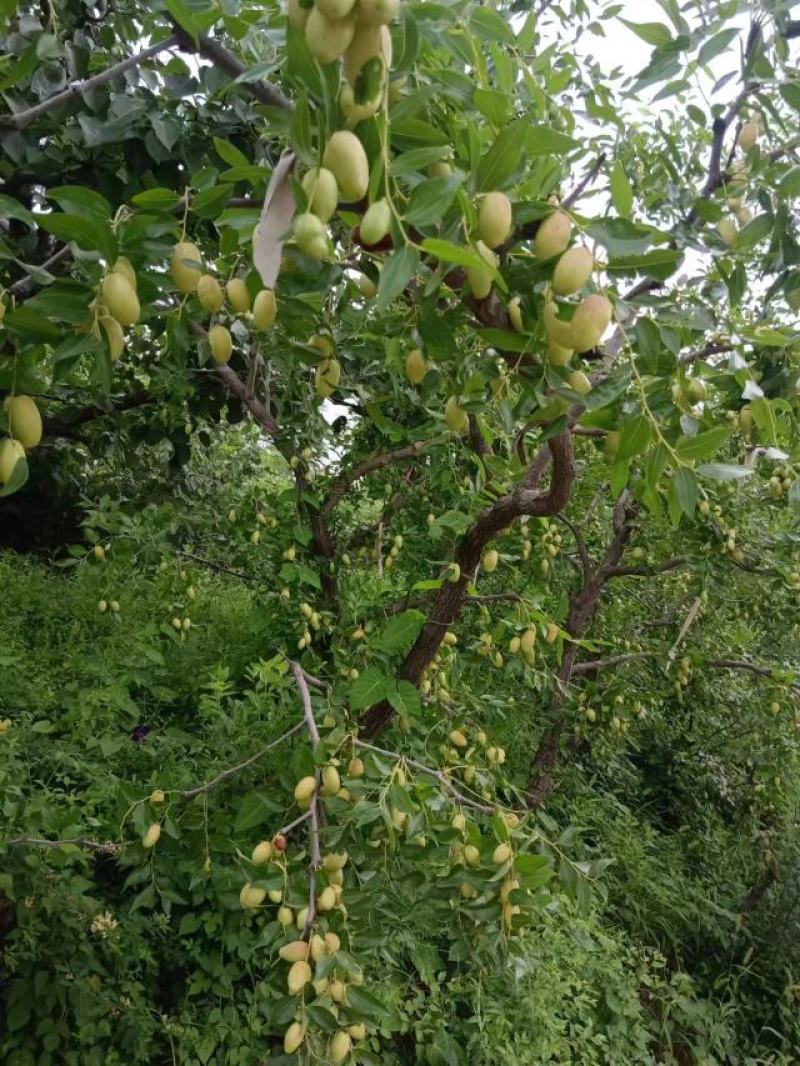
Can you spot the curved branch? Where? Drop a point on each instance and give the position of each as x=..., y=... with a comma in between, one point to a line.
x=200, y=790
x=449, y=602
x=348, y=478
x=752, y=668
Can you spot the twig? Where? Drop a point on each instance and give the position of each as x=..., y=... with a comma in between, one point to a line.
x=313, y=810
x=691, y=614
x=348, y=478
x=24, y=286
x=586, y=562
x=712, y=348
x=79, y=842
x=77, y=88
x=594, y=665
x=647, y=571
x=190, y=793
x=438, y=774
x=263, y=91
x=585, y=181
x=315, y=681
x=217, y=566
x=752, y=668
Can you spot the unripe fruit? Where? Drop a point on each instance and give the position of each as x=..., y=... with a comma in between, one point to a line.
x=458, y=739
x=749, y=135
x=326, y=900
x=123, y=265
x=341, y=1046
x=255, y=536
x=376, y=223
x=743, y=215
x=557, y=329
x=114, y=336
x=745, y=419
x=511, y=819
x=285, y=917
x=120, y=299
x=553, y=235
x=528, y=640
x=102, y=606
x=502, y=853
x=186, y=625
x=297, y=15
x=265, y=308
x=514, y=645
x=416, y=367
x=478, y=279
x=299, y=976
x=579, y=382
x=515, y=314
x=238, y=295
x=357, y=1031
x=793, y=299
x=220, y=343
x=355, y=768
x=354, y=111
x=367, y=286
x=304, y=790
x=459, y=822
x=467, y=891
x=333, y=941
x=295, y=951
x=210, y=294
x=150, y=839
x=440, y=169
x=456, y=417
x=331, y=782
x=552, y=633
x=334, y=861
x=250, y=898
x=186, y=266
x=490, y=560
x=590, y=321
x=176, y=623
x=337, y=991
x=696, y=390
x=327, y=376
x=328, y=40
x=369, y=42
x=24, y=420
x=322, y=192
x=311, y=236
x=728, y=232
x=294, y=1037
x=494, y=219
x=472, y=856
x=612, y=442
x=346, y=159
x=572, y=271
x=262, y=853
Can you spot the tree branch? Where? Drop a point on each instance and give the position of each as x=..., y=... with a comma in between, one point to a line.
x=524, y=500
x=348, y=478
x=200, y=790
x=571, y=198
x=263, y=91
x=646, y=571
x=752, y=668
x=442, y=778
x=105, y=847
x=77, y=88
x=313, y=811
x=593, y=666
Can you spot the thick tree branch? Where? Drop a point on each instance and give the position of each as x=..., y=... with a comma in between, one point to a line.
x=449, y=602
x=263, y=91
x=647, y=571
x=228, y=376
x=77, y=88
x=594, y=666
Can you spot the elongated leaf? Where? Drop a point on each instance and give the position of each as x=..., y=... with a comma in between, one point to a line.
x=400, y=268
x=372, y=687
x=704, y=444
x=502, y=159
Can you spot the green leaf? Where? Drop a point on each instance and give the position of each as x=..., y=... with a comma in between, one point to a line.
x=621, y=192
x=300, y=130
x=365, y=1002
x=544, y=140
x=703, y=445
x=399, y=632
x=19, y=475
x=430, y=200
x=230, y=154
x=659, y=264
x=502, y=159
x=417, y=160
x=77, y=199
x=368, y=689
x=162, y=199
x=636, y=436
x=452, y=253
x=10, y=208
x=401, y=266
x=682, y=493
x=654, y=33
x=716, y=44
x=255, y=809
x=405, y=699
x=27, y=322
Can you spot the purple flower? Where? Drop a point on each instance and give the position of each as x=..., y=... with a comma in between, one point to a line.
x=139, y=732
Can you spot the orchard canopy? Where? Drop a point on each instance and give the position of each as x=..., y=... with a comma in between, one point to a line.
x=399, y=495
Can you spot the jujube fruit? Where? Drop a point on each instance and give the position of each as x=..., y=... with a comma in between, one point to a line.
x=494, y=219
x=11, y=451
x=210, y=294
x=310, y=235
x=186, y=266
x=294, y=1037
x=120, y=299
x=238, y=295
x=265, y=309
x=24, y=420
x=480, y=279
x=299, y=976
x=322, y=192
x=114, y=336
x=341, y=1046
x=416, y=367
x=328, y=40
x=553, y=235
x=376, y=222
x=221, y=343
x=590, y=321
x=346, y=159
x=455, y=416
x=572, y=271
x=150, y=839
